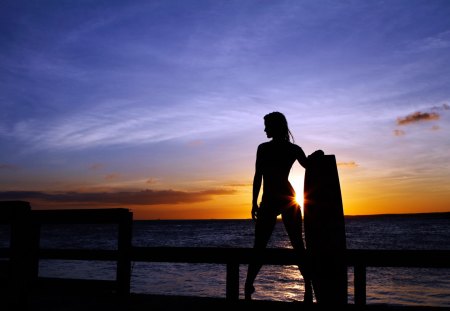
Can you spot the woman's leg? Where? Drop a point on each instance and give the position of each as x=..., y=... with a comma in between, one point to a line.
x=292, y=220
x=263, y=230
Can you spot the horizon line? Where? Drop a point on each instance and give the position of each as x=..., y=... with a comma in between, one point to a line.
x=345, y=216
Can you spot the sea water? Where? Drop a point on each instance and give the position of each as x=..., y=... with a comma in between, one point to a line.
x=395, y=286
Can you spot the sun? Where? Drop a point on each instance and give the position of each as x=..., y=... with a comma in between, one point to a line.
x=296, y=179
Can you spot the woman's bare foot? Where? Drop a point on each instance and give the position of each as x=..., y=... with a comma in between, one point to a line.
x=248, y=291
x=308, y=297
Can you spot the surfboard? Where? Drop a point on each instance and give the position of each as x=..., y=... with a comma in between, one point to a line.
x=324, y=227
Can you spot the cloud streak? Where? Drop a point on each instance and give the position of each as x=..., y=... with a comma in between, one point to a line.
x=136, y=124
x=145, y=197
x=418, y=117
x=8, y=167
x=351, y=164
x=398, y=132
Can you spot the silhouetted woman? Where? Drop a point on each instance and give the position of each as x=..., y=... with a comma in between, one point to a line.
x=274, y=160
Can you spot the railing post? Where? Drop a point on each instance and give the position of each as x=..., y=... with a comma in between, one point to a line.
x=35, y=241
x=232, y=281
x=359, y=275
x=124, y=250
x=17, y=215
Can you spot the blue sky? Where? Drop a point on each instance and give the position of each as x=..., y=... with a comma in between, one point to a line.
x=158, y=100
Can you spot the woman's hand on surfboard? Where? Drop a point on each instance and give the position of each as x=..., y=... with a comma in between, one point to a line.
x=317, y=153
x=314, y=156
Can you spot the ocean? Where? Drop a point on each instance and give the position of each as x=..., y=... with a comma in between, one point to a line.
x=395, y=286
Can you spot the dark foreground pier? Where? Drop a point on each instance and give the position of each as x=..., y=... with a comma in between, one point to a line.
x=136, y=302
x=21, y=286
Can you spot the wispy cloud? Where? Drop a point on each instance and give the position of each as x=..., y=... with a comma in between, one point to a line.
x=434, y=113
x=435, y=128
x=146, y=197
x=8, y=167
x=437, y=41
x=152, y=181
x=130, y=123
x=240, y=185
x=444, y=106
x=417, y=117
x=112, y=176
x=350, y=164
x=398, y=132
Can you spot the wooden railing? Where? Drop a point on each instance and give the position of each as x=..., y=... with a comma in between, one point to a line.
x=15, y=260
x=234, y=257
x=125, y=253
x=19, y=263
x=121, y=217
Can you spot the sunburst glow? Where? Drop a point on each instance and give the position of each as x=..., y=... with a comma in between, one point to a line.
x=297, y=179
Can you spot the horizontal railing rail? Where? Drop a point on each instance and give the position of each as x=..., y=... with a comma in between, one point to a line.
x=233, y=257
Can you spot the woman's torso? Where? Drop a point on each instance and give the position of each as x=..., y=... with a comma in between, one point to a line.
x=275, y=161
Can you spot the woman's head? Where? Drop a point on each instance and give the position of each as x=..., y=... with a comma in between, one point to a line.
x=276, y=126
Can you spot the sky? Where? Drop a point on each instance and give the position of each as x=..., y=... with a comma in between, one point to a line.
x=158, y=106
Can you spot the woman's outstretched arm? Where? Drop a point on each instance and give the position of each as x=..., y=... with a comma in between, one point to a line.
x=304, y=160
x=301, y=157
